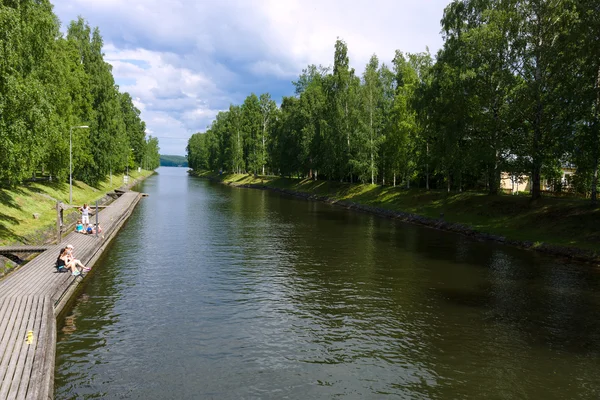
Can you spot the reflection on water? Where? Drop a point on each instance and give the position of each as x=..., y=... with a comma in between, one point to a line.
x=217, y=292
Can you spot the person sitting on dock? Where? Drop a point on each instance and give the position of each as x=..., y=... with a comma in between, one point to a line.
x=65, y=263
x=89, y=230
x=79, y=227
x=71, y=262
x=98, y=229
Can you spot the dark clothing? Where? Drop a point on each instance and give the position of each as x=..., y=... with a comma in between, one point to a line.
x=60, y=263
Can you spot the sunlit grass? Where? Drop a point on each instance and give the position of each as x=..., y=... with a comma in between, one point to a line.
x=19, y=205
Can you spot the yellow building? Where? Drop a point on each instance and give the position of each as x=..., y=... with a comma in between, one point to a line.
x=520, y=183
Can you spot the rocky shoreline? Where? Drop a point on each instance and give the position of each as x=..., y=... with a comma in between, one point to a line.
x=568, y=253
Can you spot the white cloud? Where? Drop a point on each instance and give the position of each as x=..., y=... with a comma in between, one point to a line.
x=184, y=60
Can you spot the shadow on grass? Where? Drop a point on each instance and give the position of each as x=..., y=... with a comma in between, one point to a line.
x=8, y=236
x=6, y=198
x=241, y=178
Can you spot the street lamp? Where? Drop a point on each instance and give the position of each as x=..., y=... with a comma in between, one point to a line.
x=71, y=160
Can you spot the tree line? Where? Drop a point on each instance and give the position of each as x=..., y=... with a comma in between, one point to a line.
x=173, y=161
x=515, y=89
x=50, y=83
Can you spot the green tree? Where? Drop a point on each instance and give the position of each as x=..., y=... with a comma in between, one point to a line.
x=267, y=109
x=253, y=130
x=581, y=46
x=372, y=115
x=29, y=30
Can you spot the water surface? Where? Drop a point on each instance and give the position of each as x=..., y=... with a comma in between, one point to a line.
x=213, y=292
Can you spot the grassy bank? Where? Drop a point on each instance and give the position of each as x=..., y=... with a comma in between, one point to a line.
x=551, y=221
x=18, y=205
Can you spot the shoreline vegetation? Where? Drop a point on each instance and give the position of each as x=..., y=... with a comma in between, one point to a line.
x=28, y=212
x=554, y=226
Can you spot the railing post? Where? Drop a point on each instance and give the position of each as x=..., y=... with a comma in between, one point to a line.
x=97, y=226
x=58, y=222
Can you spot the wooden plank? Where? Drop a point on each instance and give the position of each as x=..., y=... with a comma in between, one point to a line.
x=7, y=333
x=31, y=272
x=5, y=310
x=11, y=305
x=50, y=354
x=32, y=350
x=30, y=275
x=24, y=348
x=42, y=376
x=11, y=350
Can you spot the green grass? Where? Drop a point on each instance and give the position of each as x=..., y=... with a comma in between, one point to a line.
x=18, y=205
x=554, y=221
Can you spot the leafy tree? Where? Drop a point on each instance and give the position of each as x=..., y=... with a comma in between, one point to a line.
x=267, y=109
x=581, y=44
x=372, y=116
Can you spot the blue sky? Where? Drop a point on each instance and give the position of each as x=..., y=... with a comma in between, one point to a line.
x=183, y=61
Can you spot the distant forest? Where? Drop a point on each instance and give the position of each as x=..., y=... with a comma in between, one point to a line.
x=173, y=161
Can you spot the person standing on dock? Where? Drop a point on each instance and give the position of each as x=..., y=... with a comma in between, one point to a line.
x=85, y=214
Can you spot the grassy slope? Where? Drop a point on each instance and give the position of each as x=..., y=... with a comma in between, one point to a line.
x=554, y=221
x=18, y=205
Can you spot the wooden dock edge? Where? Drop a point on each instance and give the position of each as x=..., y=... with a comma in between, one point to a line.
x=67, y=295
x=67, y=298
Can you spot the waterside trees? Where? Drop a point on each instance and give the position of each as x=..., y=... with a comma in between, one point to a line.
x=49, y=83
x=515, y=89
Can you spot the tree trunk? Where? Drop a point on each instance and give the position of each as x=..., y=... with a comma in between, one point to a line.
x=595, y=133
x=495, y=173
x=394, y=179
x=494, y=177
x=427, y=169
x=263, y=145
x=537, y=137
x=595, y=178
x=372, y=162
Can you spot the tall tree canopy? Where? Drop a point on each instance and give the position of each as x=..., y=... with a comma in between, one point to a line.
x=514, y=89
x=49, y=84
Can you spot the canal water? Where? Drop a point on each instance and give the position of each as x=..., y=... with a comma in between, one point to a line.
x=214, y=292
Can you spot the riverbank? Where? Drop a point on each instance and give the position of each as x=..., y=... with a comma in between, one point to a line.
x=556, y=226
x=28, y=212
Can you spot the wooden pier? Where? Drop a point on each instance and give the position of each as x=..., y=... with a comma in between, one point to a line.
x=31, y=298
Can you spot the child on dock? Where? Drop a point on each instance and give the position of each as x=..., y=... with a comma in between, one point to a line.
x=79, y=227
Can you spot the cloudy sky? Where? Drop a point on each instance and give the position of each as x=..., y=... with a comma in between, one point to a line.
x=185, y=60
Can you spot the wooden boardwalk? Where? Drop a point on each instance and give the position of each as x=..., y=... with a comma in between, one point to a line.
x=32, y=296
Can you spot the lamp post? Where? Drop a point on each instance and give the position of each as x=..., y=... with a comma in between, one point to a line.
x=71, y=160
